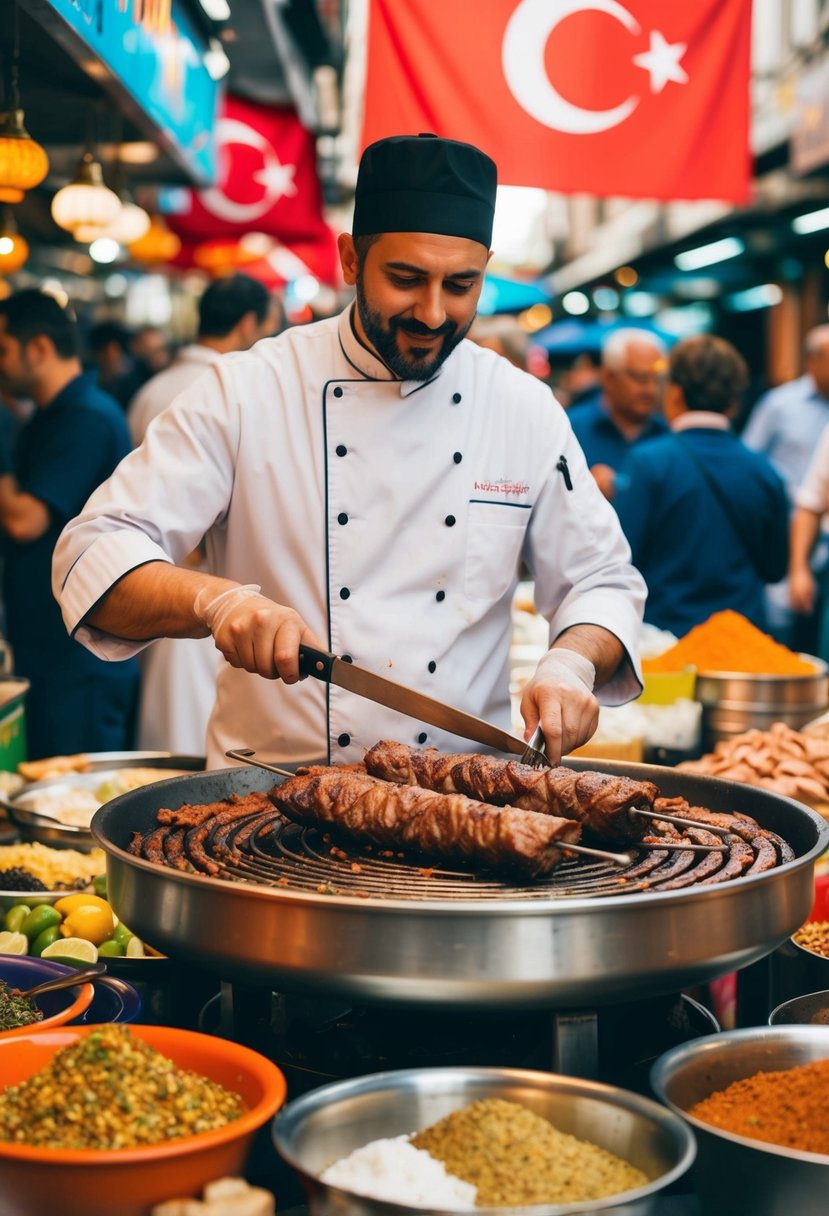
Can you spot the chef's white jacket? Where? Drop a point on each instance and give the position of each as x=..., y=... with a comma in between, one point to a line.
x=392, y=515
x=178, y=675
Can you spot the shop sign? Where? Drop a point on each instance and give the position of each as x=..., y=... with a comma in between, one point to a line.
x=156, y=53
x=809, y=147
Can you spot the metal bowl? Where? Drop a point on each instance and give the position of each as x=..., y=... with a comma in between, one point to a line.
x=734, y=1174
x=737, y=701
x=811, y=1009
x=101, y=766
x=329, y=1123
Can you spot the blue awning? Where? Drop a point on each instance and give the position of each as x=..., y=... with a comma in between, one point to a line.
x=502, y=294
x=572, y=336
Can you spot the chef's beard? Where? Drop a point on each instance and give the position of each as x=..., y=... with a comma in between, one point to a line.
x=382, y=334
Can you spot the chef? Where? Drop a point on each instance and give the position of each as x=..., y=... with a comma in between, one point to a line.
x=370, y=485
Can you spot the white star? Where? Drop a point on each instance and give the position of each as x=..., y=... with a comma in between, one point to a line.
x=277, y=179
x=662, y=61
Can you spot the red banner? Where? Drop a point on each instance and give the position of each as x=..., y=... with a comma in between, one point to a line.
x=640, y=99
x=267, y=180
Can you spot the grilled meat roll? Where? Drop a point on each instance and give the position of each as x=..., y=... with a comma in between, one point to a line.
x=443, y=827
x=598, y=801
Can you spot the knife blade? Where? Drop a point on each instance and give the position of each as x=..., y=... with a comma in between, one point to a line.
x=333, y=670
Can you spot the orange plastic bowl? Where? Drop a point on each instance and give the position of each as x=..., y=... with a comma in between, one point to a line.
x=127, y=1182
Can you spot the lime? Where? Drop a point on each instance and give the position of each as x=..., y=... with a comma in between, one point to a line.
x=135, y=948
x=71, y=950
x=44, y=939
x=70, y=903
x=90, y=922
x=111, y=949
x=40, y=918
x=122, y=934
x=99, y=885
x=16, y=916
x=13, y=943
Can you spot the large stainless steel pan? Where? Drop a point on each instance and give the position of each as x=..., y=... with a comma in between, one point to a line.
x=517, y=950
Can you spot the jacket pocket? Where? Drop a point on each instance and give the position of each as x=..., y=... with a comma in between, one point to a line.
x=494, y=538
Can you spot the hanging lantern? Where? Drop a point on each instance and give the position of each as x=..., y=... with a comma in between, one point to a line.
x=131, y=223
x=86, y=200
x=158, y=244
x=23, y=163
x=14, y=250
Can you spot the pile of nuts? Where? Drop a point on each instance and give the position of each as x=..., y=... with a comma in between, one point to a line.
x=781, y=759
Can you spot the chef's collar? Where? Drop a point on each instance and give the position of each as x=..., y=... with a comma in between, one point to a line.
x=364, y=360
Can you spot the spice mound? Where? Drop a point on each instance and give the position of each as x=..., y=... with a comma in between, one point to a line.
x=16, y=1010
x=515, y=1157
x=789, y=1109
x=729, y=642
x=110, y=1090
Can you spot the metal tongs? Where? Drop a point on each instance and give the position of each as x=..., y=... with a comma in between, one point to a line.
x=535, y=756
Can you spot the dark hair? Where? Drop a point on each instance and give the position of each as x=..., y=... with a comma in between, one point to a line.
x=362, y=244
x=104, y=332
x=226, y=301
x=710, y=371
x=33, y=314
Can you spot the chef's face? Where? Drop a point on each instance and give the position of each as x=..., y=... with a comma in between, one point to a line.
x=416, y=296
x=16, y=370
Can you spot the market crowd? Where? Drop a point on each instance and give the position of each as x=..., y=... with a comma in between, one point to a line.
x=713, y=518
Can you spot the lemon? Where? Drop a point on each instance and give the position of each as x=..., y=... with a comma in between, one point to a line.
x=90, y=922
x=72, y=950
x=81, y=900
x=13, y=943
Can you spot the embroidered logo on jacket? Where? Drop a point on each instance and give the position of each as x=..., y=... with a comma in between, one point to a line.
x=515, y=489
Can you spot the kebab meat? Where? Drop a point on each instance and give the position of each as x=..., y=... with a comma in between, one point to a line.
x=599, y=802
x=443, y=827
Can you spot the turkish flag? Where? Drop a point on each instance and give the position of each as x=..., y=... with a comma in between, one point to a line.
x=267, y=180
x=636, y=98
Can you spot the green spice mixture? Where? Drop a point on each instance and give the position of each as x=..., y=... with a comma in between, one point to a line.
x=110, y=1090
x=16, y=1010
x=515, y=1157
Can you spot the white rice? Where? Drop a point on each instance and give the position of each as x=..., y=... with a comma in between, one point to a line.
x=397, y=1171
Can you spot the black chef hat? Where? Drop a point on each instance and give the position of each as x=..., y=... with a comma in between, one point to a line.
x=420, y=183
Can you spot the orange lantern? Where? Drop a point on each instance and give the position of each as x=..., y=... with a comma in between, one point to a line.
x=158, y=244
x=14, y=250
x=23, y=163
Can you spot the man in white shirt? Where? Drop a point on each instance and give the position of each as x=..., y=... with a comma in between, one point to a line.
x=178, y=675
x=369, y=485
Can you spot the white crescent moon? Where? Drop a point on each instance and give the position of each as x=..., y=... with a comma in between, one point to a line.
x=522, y=56
x=232, y=131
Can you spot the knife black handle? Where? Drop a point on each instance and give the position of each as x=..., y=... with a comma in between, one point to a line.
x=317, y=663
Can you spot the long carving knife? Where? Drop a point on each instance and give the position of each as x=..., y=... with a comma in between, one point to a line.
x=333, y=670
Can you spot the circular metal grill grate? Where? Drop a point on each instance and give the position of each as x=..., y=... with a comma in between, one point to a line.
x=267, y=849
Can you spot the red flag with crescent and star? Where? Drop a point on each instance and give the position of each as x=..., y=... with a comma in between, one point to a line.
x=267, y=185
x=636, y=98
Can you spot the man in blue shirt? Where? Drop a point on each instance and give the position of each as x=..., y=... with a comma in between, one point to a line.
x=77, y=436
x=627, y=411
x=706, y=518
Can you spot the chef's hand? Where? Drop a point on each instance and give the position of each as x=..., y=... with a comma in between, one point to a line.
x=254, y=633
x=560, y=697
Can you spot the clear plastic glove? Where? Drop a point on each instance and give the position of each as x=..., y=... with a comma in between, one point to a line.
x=560, y=697
x=253, y=633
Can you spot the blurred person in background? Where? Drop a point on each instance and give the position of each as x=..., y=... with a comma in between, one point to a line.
x=120, y=374
x=785, y=425
x=808, y=588
x=582, y=381
x=150, y=349
x=628, y=410
x=706, y=517
x=72, y=443
x=178, y=675
x=505, y=336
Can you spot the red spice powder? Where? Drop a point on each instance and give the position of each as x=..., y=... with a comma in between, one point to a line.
x=789, y=1109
